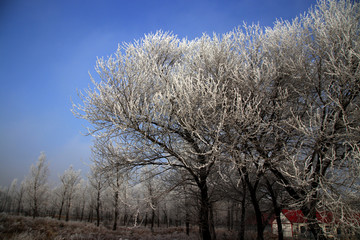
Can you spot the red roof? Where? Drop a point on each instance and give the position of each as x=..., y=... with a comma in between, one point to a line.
x=297, y=216
x=294, y=216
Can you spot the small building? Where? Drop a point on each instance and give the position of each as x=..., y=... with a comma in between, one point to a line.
x=294, y=223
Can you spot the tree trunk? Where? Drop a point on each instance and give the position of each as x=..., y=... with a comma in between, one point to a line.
x=146, y=219
x=204, y=228
x=211, y=223
x=187, y=215
x=152, y=218
x=125, y=207
x=228, y=217
x=61, y=208
x=241, y=235
x=158, y=217
x=187, y=223
x=82, y=212
x=277, y=210
x=116, y=211
x=19, y=205
x=35, y=207
x=98, y=206
x=90, y=216
x=255, y=203
x=232, y=215
x=68, y=209
x=166, y=219
x=314, y=227
x=125, y=218
x=279, y=224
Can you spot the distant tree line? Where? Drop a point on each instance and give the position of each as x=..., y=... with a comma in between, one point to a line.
x=216, y=130
x=107, y=197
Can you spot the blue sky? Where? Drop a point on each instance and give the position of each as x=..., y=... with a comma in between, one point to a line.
x=48, y=47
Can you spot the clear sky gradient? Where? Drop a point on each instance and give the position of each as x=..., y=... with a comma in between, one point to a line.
x=48, y=47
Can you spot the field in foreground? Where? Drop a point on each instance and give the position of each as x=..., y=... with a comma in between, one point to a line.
x=26, y=228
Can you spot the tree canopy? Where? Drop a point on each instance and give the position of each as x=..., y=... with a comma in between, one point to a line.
x=280, y=103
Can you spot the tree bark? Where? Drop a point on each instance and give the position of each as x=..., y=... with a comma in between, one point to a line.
x=187, y=215
x=98, y=205
x=255, y=203
x=116, y=211
x=61, y=208
x=241, y=235
x=204, y=228
x=211, y=222
x=314, y=227
x=146, y=219
x=152, y=218
x=35, y=207
x=68, y=210
x=82, y=211
x=228, y=217
x=277, y=210
x=19, y=205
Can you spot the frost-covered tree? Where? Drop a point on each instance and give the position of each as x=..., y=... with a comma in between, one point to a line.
x=19, y=198
x=7, y=197
x=68, y=180
x=161, y=100
x=112, y=172
x=297, y=110
x=279, y=104
x=319, y=56
x=81, y=199
x=36, y=185
x=152, y=192
x=97, y=182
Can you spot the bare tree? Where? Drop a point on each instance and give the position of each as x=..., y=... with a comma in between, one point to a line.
x=81, y=200
x=279, y=103
x=296, y=113
x=7, y=197
x=162, y=101
x=20, y=197
x=152, y=192
x=36, y=184
x=319, y=53
x=97, y=181
x=68, y=182
x=110, y=167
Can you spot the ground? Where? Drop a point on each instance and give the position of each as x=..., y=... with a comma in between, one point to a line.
x=26, y=228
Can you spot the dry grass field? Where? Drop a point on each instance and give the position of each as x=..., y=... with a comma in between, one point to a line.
x=27, y=228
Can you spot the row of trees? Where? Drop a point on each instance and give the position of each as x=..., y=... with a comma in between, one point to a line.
x=109, y=197
x=220, y=128
x=270, y=113
x=33, y=188
x=100, y=197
